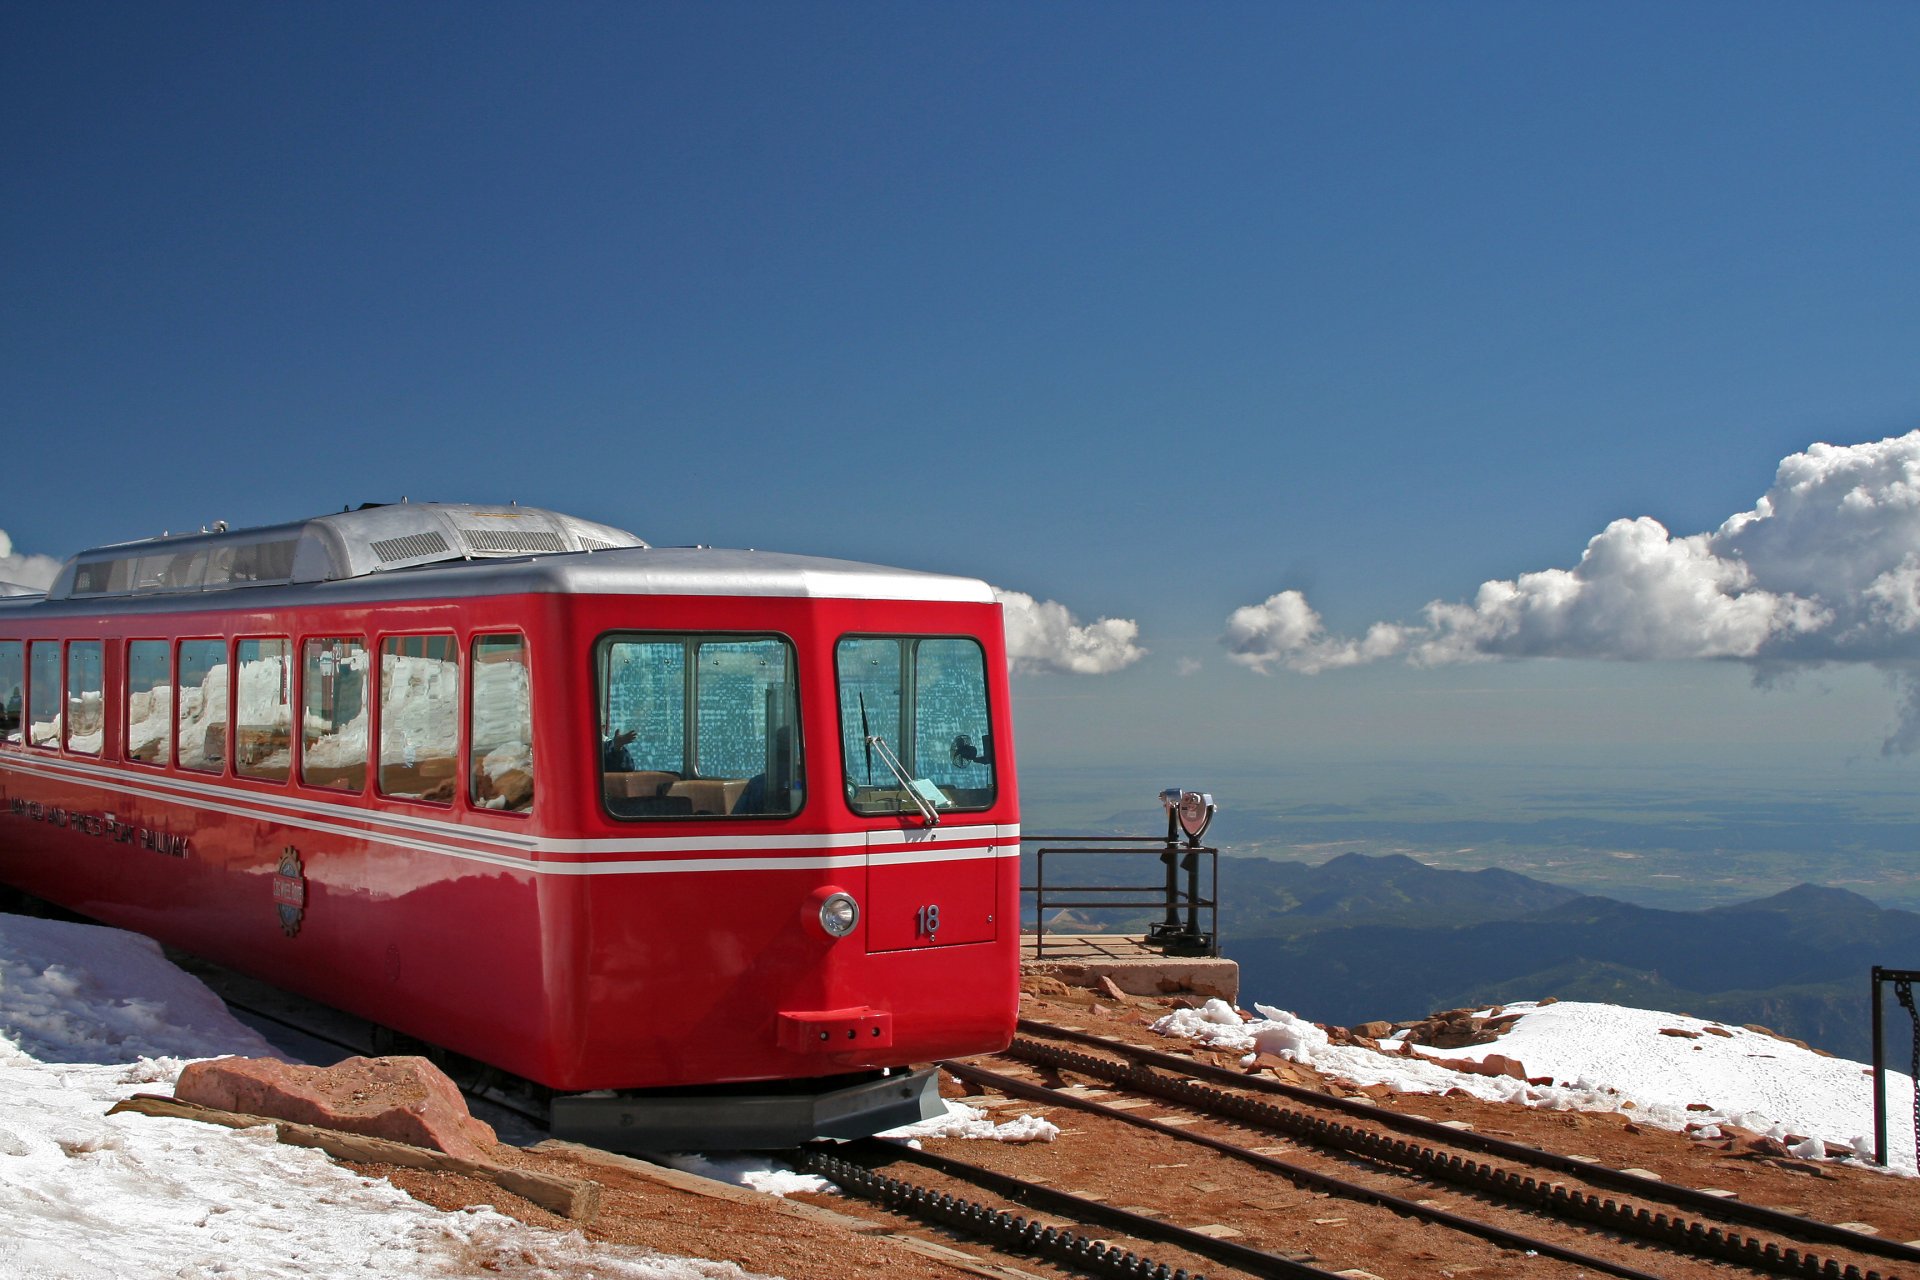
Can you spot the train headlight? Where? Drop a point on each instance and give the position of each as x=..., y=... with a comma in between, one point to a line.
x=839, y=913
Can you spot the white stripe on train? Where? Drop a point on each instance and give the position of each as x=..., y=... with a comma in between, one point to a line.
x=955, y=843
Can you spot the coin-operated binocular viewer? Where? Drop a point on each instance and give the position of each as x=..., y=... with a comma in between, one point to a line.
x=1189, y=813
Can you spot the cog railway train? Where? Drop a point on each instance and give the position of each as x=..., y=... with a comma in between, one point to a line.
x=708, y=845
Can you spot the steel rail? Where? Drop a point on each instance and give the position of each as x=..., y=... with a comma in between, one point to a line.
x=1259, y=1262
x=1298, y=1174
x=1732, y=1210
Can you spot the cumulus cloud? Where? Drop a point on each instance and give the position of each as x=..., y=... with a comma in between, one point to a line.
x=1825, y=567
x=1042, y=635
x=1283, y=630
x=37, y=572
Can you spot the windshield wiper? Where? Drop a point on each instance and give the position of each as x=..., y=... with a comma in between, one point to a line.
x=927, y=812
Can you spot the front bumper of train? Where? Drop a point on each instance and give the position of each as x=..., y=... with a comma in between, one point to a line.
x=749, y=1117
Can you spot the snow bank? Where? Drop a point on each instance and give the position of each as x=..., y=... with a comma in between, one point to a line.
x=1605, y=1057
x=89, y=1016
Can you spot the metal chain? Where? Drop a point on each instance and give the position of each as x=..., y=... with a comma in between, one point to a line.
x=1903, y=992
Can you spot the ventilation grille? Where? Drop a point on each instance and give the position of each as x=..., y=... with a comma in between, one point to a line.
x=513, y=540
x=410, y=547
x=594, y=544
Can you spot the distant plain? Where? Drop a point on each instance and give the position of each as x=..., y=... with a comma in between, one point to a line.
x=1660, y=829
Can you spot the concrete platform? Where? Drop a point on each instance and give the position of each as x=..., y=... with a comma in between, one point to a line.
x=1082, y=959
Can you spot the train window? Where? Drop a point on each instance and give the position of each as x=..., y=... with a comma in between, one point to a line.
x=86, y=692
x=419, y=715
x=699, y=726
x=500, y=734
x=149, y=701
x=13, y=692
x=333, y=728
x=43, y=693
x=913, y=723
x=263, y=717
x=200, y=701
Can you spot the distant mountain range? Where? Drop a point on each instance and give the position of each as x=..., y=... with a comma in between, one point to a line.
x=1361, y=938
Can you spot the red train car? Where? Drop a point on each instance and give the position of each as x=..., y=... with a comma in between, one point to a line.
x=664, y=826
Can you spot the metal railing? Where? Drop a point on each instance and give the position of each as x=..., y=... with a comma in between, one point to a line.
x=1178, y=932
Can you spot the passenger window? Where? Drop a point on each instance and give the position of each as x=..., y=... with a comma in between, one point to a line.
x=149, y=702
x=913, y=723
x=44, y=695
x=13, y=692
x=263, y=716
x=201, y=705
x=86, y=698
x=737, y=754
x=333, y=732
x=419, y=715
x=500, y=736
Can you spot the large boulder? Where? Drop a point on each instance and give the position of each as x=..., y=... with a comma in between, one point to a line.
x=403, y=1099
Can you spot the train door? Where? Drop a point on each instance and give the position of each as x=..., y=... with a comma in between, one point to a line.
x=917, y=750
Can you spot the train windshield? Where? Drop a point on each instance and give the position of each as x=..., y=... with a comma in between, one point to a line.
x=913, y=724
x=696, y=726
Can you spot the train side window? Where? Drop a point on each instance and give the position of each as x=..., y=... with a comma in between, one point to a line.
x=923, y=701
x=86, y=698
x=13, y=692
x=699, y=726
x=333, y=697
x=149, y=701
x=200, y=704
x=500, y=733
x=44, y=695
x=419, y=717
x=263, y=716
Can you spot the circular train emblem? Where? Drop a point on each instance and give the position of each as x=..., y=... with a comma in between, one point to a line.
x=290, y=891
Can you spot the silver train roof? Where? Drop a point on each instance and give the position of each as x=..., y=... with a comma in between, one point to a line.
x=409, y=550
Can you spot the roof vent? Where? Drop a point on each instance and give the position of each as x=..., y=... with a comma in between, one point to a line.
x=514, y=541
x=409, y=546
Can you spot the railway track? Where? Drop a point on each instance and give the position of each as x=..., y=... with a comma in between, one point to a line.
x=1062, y=1227
x=1679, y=1219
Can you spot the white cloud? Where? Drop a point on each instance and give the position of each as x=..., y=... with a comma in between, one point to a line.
x=1042, y=635
x=1284, y=630
x=1186, y=666
x=37, y=572
x=1824, y=568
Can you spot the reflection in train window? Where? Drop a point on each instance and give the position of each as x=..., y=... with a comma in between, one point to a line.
x=500, y=739
x=13, y=692
x=44, y=695
x=263, y=716
x=419, y=716
x=86, y=698
x=694, y=726
x=201, y=703
x=149, y=701
x=333, y=728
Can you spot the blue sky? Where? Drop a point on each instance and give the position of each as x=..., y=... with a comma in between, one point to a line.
x=1153, y=311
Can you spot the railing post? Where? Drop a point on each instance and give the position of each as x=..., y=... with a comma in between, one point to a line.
x=1040, y=906
x=1879, y=1080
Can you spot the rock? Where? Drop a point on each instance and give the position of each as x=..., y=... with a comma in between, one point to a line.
x=1377, y=1092
x=1698, y=1106
x=1039, y=984
x=1373, y=1030
x=404, y=1099
x=1676, y=1031
x=1722, y=1032
x=1543, y=1003
x=1111, y=991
